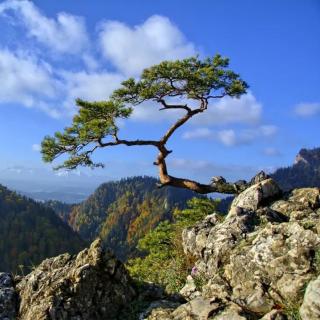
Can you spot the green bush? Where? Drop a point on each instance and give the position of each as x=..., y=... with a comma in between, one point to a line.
x=164, y=261
x=317, y=261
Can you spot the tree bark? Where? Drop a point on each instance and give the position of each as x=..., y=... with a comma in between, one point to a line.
x=218, y=184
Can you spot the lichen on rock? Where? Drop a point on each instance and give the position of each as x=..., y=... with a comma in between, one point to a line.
x=8, y=297
x=261, y=257
x=310, y=308
x=91, y=285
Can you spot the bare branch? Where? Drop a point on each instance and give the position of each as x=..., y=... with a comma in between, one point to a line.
x=179, y=123
x=218, y=185
x=217, y=97
x=128, y=143
x=173, y=106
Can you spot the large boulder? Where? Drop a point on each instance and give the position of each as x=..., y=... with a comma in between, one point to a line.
x=259, y=258
x=197, y=309
x=8, y=297
x=159, y=310
x=200, y=309
x=257, y=195
x=310, y=309
x=212, y=239
x=195, y=239
x=224, y=237
x=300, y=204
x=275, y=315
x=91, y=285
x=274, y=268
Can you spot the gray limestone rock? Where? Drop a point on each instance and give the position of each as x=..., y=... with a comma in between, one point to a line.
x=310, y=309
x=300, y=204
x=260, y=257
x=275, y=315
x=92, y=285
x=257, y=195
x=8, y=297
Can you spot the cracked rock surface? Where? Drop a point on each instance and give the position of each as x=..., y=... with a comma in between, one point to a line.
x=261, y=262
x=91, y=285
x=8, y=297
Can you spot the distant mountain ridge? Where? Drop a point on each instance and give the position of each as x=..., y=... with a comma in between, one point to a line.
x=31, y=232
x=43, y=184
x=121, y=212
x=309, y=157
x=305, y=172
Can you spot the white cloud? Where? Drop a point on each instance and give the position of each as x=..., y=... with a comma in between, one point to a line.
x=133, y=49
x=268, y=130
x=25, y=79
x=90, y=62
x=36, y=147
x=245, y=110
x=90, y=86
x=230, y=137
x=35, y=84
x=65, y=34
x=270, y=151
x=149, y=112
x=191, y=164
x=307, y=109
x=198, y=133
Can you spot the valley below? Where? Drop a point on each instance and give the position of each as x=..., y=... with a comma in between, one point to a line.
x=260, y=261
x=177, y=256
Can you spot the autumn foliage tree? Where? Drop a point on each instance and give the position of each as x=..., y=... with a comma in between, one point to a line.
x=173, y=85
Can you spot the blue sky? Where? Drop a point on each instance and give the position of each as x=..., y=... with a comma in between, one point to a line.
x=54, y=51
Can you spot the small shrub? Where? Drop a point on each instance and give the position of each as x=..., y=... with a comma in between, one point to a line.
x=317, y=261
x=199, y=278
x=133, y=310
x=164, y=262
x=292, y=311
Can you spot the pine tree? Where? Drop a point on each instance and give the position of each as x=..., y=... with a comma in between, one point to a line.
x=95, y=125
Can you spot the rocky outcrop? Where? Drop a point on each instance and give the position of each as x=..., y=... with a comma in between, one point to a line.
x=8, y=297
x=305, y=172
x=310, y=309
x=274, y=268
x=309, y=157
x=91, y=285
x=261, y=261
x=257, y=262
x=257, y=195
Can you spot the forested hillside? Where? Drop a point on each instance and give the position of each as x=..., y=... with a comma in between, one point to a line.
x=62, y=209
x=31, y=232
x=305, y=172
x=122, y=212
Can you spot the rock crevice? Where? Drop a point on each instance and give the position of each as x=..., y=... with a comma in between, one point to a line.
x=258, y=262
